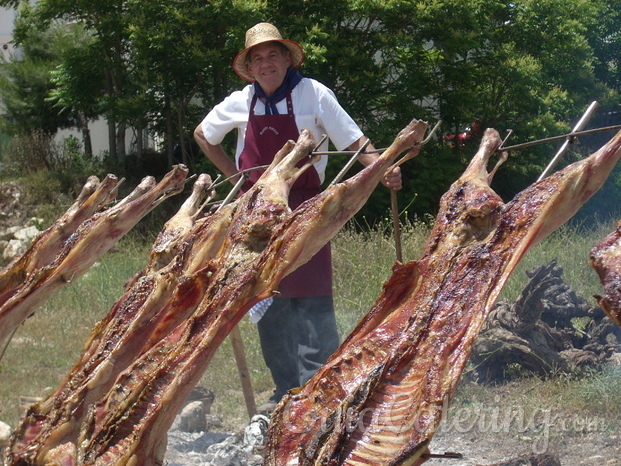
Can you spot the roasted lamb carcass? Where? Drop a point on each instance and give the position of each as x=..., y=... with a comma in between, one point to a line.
x=250, y=266
x=44, y=247
x=606, y=261
x=119, y=337
x=75, y=242
x=379, y=398
x=257, y=241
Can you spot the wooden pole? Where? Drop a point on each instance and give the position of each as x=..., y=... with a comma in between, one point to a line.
x=242, y=368
x=394, y=207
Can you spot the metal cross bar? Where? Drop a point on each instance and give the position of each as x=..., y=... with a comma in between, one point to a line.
x=448, y=454
x=558, y=138
x=233, y=192
x=377, y=151
x=349, y=164
x=355, y=154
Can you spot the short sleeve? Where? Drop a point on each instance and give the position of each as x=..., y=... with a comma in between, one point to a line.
x=230, y=114
x=340, y=127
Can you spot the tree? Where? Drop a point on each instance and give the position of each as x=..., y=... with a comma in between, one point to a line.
x=524, y=65
x=529, y=65
x=25, y=83
x=78, y=82
x=181, y=50
x=107, y=22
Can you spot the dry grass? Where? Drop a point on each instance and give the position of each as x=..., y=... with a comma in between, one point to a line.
x=47, y=345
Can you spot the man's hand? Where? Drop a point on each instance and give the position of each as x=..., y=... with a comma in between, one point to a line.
x=392, y=179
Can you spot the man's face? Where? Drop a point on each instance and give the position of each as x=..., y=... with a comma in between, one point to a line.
x=267, y=64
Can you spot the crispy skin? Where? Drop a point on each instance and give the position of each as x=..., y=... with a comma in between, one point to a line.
x=606, y=261
x=379, y=399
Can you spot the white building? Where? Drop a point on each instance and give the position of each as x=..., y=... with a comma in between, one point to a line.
x=6, y=28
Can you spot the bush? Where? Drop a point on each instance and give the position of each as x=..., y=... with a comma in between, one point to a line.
x=29, y=153
x=47, y=168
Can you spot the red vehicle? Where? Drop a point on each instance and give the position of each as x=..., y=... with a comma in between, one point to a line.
x=473, y=131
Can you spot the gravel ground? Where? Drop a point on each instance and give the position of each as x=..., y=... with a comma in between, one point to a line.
x=478, y=447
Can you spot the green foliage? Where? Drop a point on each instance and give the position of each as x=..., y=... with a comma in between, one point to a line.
x=48, y=170
x=30, y=153
x=530, y=65
x=25, y=84
x=79, y=78
x=524, y=65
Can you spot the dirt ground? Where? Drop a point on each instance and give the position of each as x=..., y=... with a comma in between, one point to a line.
x=479, y=438
x=487, y=448
x=477, y=447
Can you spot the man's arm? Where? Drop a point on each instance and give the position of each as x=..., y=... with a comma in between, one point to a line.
x=216, y=154
x=392, y=178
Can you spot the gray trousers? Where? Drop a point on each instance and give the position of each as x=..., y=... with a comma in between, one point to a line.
x=297, y=336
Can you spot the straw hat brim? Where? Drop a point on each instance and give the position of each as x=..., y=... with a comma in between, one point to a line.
x=239, y=62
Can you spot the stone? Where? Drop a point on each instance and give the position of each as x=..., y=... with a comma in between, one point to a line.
x=255, y=432
x=204, y=394
x=5, y=435
x=192, y=417
x=13, y=248
x=26, y=234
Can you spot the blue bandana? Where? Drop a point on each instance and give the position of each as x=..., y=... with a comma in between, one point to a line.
x=291, y=80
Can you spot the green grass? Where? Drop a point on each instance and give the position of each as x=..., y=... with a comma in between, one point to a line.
x=48, y=344
x=570, y=247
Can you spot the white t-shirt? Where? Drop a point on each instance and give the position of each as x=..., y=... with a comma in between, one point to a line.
x=315, y=107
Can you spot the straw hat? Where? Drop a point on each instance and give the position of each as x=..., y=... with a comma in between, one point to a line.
x=265, y=32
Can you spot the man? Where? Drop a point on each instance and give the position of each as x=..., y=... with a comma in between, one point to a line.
x=298, y=331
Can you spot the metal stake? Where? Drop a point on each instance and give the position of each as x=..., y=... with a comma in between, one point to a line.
x=349, y=163
x=235, y=335
x=579, y=126
x=394, y=204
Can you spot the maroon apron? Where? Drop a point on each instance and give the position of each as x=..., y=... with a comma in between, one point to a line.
x=265, y=136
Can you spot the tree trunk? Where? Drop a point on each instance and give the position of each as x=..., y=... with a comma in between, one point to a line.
x=184, y=152
x=139, y=143
x=120, y=143
x=86, y=134
x=112, y=138
x=169, y=132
